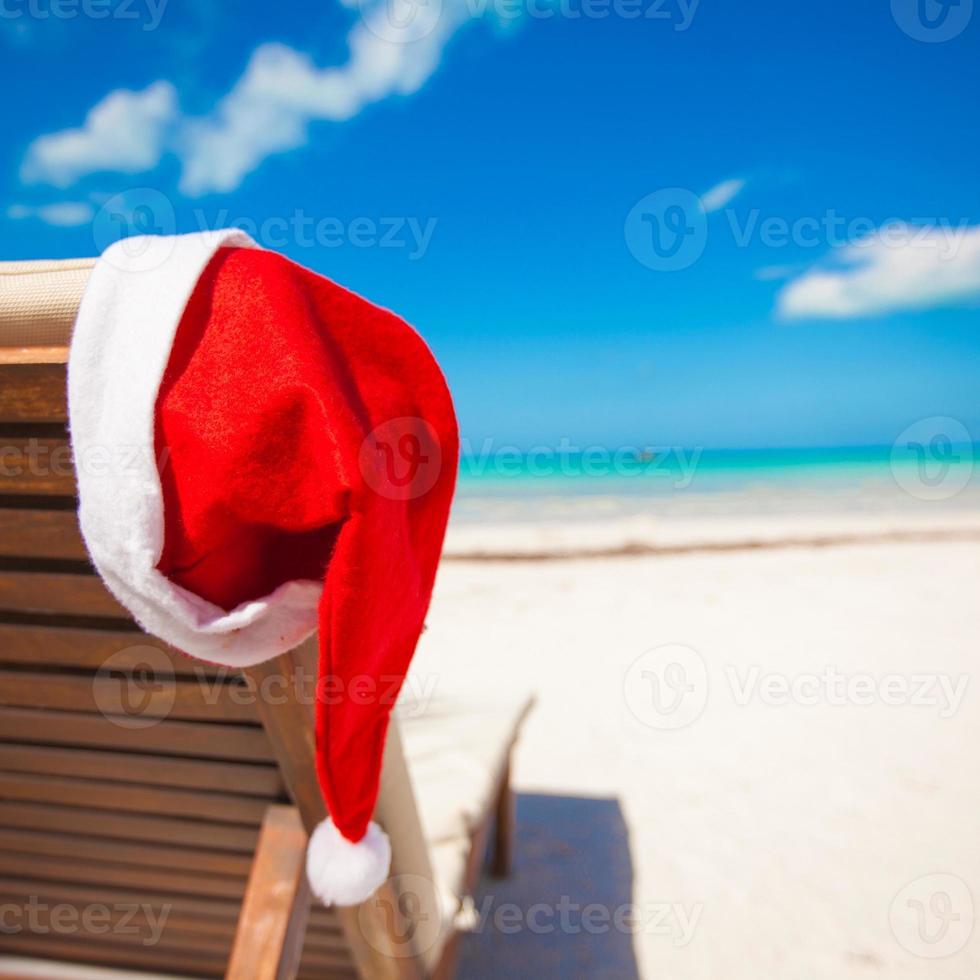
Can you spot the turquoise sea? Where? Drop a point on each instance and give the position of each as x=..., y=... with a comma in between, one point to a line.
x=565, y=483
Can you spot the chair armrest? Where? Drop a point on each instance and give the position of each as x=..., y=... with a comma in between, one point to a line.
x=272, y=924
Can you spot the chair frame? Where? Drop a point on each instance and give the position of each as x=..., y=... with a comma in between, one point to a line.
x=272, y=922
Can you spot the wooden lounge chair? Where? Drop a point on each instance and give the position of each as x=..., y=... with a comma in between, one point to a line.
x=136, y=783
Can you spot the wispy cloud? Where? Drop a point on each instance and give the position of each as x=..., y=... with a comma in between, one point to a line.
x=126, y=132
x=720, y=195
x=900, y=267
x=65, y=214
x=268, y=110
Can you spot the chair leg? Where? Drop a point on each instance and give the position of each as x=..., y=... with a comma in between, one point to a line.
x=503, y=835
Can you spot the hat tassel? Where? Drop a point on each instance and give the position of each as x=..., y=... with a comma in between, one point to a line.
x=342, y=872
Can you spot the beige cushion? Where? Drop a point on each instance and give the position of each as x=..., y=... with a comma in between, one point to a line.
x=457, y=747
x=39, y=300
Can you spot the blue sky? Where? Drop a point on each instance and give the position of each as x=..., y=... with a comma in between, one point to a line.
x=498, y=180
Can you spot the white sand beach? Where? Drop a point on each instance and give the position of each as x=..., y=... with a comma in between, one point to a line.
x=799, y=796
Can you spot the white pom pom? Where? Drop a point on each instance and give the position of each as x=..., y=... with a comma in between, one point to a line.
x=343, y=873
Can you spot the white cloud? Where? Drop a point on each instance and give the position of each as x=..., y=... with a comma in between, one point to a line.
x=393, y=49
x=125, y=132
x=281, y=91
x=899, y=267
x=65, y=214
x=721, y=194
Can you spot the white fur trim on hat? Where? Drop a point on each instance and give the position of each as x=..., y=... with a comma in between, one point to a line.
x=344, y=873
x=120, y=348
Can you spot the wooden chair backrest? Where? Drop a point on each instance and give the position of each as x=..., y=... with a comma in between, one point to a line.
x=130, y=775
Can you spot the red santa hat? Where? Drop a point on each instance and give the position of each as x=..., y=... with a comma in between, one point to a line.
x=262, y=454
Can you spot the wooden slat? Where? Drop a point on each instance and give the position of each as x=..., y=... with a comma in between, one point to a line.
x=156, y=697
x=112, y=927
x=168, y=737
x=126, y=929
x=58, y=593
x=217, y=909
x=36, y=467
x=62, y=646
x=186, y=926
x=35, y=354
x=269, y=938
x=29, y=787
x=54, y=947
x=32, y=392
x=82, y=871
x=319, y=973
x=141, y=934
x=323, y=918
x=28, y=532
x=213, y=914
x=128, y=826
x=131, y=767
x=325, y=938
x=319, y=959
x=166, y=939
x=122, y=852
x=136, y=925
